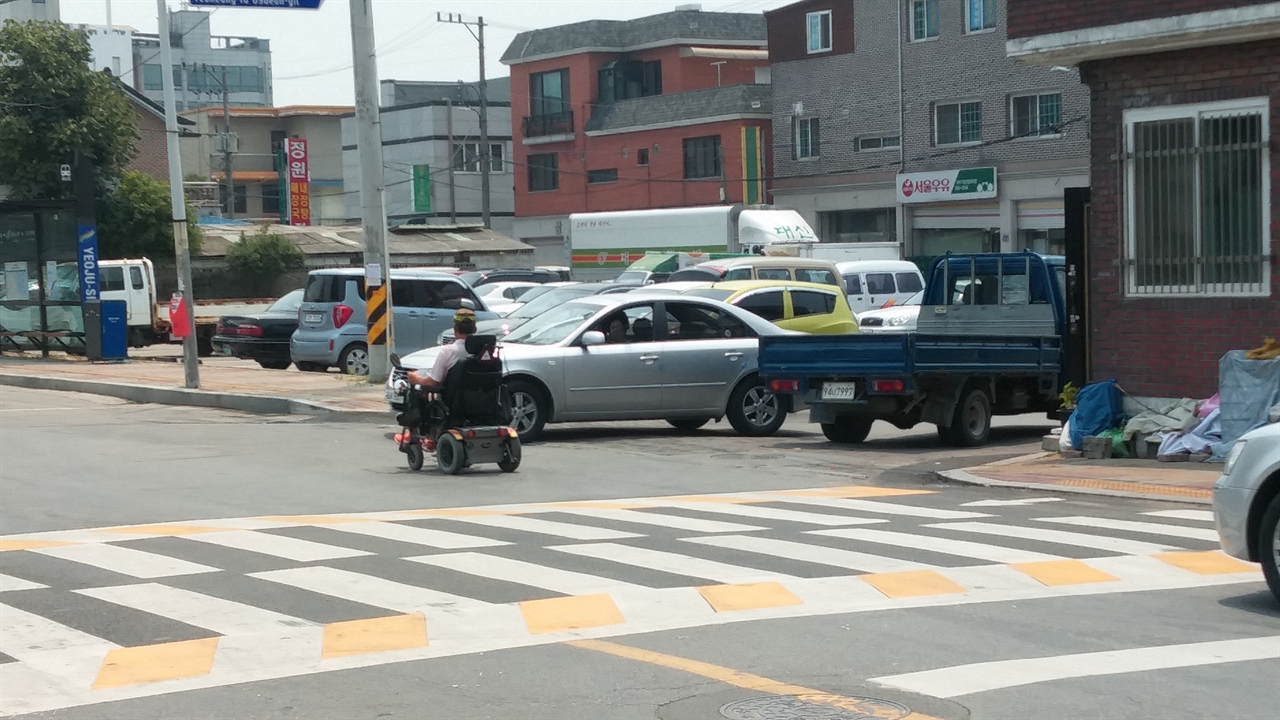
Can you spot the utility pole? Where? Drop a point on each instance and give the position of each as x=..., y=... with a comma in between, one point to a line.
x=453, y=159
x=372, y=187
x=485, y=154
x=182, y=251
x=226, y=147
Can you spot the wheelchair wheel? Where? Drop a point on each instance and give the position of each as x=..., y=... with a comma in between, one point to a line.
x=510, y=456
x=414, y=451
x=451, y=454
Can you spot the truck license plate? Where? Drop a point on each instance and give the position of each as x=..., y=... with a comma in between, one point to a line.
x=838, y=390
x=313, y=318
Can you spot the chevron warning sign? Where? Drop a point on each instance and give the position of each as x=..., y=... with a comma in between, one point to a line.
x=377, y=305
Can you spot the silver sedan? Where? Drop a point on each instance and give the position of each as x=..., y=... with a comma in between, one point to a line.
x=686, y=360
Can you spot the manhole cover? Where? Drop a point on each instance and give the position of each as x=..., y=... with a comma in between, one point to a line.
x=787, y=707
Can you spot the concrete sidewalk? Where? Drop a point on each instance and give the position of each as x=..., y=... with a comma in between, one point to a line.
x=227, y=383
x=1181, y=482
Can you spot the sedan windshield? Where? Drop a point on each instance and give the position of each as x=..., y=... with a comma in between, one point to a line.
x=553, y=326
x=287, y=304
x=550, y=299
x=632, y=277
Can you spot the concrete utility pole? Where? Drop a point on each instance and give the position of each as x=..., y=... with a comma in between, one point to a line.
x=486, y=155
x=453, y=160
x=372, y=186
x=226, y=147
x=182, y=251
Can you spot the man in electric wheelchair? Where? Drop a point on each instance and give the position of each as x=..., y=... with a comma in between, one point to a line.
x=460, y=408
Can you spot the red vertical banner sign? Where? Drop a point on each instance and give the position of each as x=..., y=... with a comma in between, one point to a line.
x=299, y=181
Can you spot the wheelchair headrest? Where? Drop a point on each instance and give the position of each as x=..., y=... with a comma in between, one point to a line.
x=477, y=344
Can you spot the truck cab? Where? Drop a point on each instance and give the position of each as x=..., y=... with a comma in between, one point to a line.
x=133, y=281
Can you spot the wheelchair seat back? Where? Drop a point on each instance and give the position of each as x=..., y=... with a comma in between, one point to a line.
x=473, y=389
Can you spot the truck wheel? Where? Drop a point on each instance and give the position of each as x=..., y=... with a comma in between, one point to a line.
x=528, y=409
x=354, y=360
x=1269, y=546
x=971, y=423
x=204, y=344
x=848, y=429
x=753, y=410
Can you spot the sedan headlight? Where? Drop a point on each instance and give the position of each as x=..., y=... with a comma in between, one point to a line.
x=898, y=320
x=1236, y=451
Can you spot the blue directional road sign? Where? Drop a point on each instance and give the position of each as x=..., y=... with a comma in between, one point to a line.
x=294, y=4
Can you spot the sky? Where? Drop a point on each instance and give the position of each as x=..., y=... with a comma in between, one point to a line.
x=311, y=49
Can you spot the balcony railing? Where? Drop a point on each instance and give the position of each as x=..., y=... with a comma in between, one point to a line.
x=560, y=123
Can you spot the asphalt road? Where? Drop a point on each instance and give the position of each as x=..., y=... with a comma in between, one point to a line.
x=254, y=567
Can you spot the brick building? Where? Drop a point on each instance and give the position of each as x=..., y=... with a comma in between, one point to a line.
x=152, y=155
x=670, y=110
x=878, y=105
x=1185, y=184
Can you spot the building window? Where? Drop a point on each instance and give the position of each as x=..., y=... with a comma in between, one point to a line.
x=642, y=156
x=497, y=157
x=1037, y=115
x=466, y=157
x=151, y=79
x=549, y=92
x=544, y=172
x=627, y=79
x=980, y=15
x=1197, y=213
x=924, y=19
x=956, y=123
x=270, y=198
x=702, y=157
x=883, y=142
x=596, y=177
x=805, y=138
x=818, y=31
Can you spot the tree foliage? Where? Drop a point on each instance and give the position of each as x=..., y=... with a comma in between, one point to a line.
x=135, y=219
x=264, y=256
x=52, y=105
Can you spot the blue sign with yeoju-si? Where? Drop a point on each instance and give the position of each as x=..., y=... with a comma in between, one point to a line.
x=87, y=258
x=303, y=4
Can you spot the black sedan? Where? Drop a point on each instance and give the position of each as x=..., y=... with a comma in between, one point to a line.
x=263, y=337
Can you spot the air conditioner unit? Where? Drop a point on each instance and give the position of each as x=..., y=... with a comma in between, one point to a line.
x=797, y=109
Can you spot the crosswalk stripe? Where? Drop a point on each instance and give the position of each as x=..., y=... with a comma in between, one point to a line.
x=524, y=573
x=981, y=677
x=673, y=563
x=1137, y=527
x=819, y=554
x=281, y=546
x=9, y=583
x=1060, y=537
x=544, y=527
x=1197, y=515
x=225, y=617
x=368, y=590
x=875, y=506
x=418, y=535
x=126, y=561
x=49, y=646
x=771, y=513
x=647, y=518
x=963, y=548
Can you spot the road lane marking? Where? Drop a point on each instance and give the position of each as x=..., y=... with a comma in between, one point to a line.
x=282, y=546
x=545, y=527
x=1009, y=503
x=384, y=634
x=677, y=522
x=570, y=613
x=310, y=519
x=981, y=677
x=524, y=573
x=819, y=554
x=162, y=530
x=49, y=646
x=368, y=590
x=1060, y=537
x=962, y=548
x=226, y=617
x=1212, y=562
x=1197, y=515
x=1137, y=527
x=882, y=508
x=913, y=583
x=442, y=539
x=771, y=513
x=154, y=663
x=752, y=596
x=8, y=583
x=1063, y=572
x=673, y=563
x=126, y=561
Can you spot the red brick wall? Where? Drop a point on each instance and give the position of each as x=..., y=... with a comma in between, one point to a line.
x=152, y=157
x=1041, y=17
x=1170, y=347
x=788, y=30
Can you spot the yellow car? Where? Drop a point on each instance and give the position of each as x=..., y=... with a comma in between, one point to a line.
x=801, y=306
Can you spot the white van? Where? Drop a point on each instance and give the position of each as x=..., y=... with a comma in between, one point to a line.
x=870, y=284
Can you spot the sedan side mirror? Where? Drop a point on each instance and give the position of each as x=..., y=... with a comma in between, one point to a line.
x=592, y=337
x=395, y=361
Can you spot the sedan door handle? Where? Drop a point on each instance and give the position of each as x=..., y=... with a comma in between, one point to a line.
x=733, y=354
x=648, y=359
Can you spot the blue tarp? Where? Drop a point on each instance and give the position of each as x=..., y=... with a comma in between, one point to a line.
x=1098, y=407
x=1247, y=389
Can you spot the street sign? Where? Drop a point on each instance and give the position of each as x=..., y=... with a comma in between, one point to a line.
x=966, y=184
x=299, y=173
x=88, y=256
x=296, y=4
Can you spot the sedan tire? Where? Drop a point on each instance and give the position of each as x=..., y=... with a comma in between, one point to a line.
x=274, y=364
x=529, y=409
x=1269, y=546
x=687, y=424
x=753, y=410
x=354, y=360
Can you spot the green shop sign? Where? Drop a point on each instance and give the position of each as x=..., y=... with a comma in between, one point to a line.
x=967, y=184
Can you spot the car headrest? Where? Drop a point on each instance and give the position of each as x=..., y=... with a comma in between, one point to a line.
x=476, y=344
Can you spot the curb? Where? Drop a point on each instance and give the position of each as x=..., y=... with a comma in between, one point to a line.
x=968, y=478
x=257, y=404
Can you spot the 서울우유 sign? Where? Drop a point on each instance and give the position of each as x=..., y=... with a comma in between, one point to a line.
x=943, y=185
x=292, y=4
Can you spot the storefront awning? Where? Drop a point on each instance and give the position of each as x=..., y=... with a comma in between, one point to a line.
x=247, y=176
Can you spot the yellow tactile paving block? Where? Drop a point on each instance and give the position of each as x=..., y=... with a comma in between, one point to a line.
x=854, y=491
x=360, y=637
x=570, y=613
x=912, y=584
x=1135, y=487
x=30, y=544
x=751, y=596
x=1063, y=572
x=165, y=530
x=313, y=519
x=1211, y=562
x=153, y=663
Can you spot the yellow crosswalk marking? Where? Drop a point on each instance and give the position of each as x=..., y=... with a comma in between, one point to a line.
x=751, y=596
x=383, y=634
x=30, y=544
x=153, y=663
x=1063, y=572
x=912, y=583
x=165, y=529
x=1210, y=562
x=570, y=613
x=853, y=491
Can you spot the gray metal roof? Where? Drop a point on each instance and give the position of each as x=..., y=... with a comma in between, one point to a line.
x=623, y=35
x=680, y=107
x=342, y=240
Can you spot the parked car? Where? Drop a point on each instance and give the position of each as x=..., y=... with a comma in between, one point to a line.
x=542, y=303
x=803, y=307
x=263, y=336
x=686, y=360
x=1246, y=502
x=897, y=318
x=758, y=267
x=869, y=284
x=331, y=322
x=503, y=297
x=476, y=278
x=563, y=271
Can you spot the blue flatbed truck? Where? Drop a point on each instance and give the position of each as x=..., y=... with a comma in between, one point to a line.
x=989, y=341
